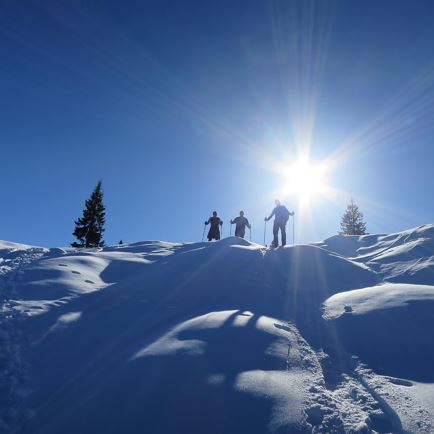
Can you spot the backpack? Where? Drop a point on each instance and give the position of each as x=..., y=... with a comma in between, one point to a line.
x=285, y=213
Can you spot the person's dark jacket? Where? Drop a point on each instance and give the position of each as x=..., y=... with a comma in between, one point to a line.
x=214, y=231
x=240, y=226
x=280, y=213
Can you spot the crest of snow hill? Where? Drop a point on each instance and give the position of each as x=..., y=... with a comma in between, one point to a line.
x=223, y=337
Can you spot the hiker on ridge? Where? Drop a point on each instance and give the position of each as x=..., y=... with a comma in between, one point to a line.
x=241, y=222
x=281, y=216
x=214, y=230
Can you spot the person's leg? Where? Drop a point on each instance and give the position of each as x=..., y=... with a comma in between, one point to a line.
x=275, y=232
x=283, y=232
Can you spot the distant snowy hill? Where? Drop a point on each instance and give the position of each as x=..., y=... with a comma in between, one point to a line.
x=224, y=337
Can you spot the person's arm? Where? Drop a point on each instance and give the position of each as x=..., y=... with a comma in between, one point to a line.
x=271, y=215
x=248, y=224
x=221, y=222
x=208, y=221
x=232, y=222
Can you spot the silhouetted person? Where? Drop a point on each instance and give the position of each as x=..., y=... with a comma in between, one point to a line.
x=281, y=216
x=214, y=230
x=240, y=225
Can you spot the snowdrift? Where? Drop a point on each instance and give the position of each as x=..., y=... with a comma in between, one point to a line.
x=224, y=337
x=390, y=326
x=406, y=257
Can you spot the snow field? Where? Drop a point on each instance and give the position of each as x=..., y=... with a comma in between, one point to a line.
x=225, y=337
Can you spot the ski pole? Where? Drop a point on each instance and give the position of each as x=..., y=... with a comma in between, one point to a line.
x=293, y=228
x=250, y=230
x=221, y=230
x=230, y=229
x=203, y=235
x=265, y=231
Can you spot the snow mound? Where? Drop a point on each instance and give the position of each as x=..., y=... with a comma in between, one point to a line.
x=381, y=297
x=310, y=268
x=349, y=245
x=6, y=246
x=389, y=326
x=207, y=373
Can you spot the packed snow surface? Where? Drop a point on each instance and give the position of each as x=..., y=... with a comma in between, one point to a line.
x=222, y=337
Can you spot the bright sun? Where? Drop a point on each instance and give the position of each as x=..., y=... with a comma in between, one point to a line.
x=304, y=179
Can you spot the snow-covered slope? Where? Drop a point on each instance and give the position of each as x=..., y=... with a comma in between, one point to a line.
x=223, y=337
x=403, y=257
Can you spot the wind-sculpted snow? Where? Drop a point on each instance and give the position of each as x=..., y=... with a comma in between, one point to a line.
x=403, y=257
x=222, y=337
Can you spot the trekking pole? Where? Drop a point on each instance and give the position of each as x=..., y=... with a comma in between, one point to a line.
x=203, y=235
x=265, y=231
x=293, y=229
x=221, y=230
x=230, y=229
x=250, y=230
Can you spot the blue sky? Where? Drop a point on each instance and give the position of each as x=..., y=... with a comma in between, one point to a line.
x=183, y=108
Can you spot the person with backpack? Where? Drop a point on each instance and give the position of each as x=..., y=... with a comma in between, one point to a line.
x=214, y=230
x=281, y=216
x=240, y=225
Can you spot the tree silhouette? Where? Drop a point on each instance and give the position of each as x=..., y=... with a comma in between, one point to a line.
x=352, y=221
x=90, y=228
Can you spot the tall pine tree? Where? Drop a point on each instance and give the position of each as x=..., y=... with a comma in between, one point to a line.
x=89, y=229
x=352, y=221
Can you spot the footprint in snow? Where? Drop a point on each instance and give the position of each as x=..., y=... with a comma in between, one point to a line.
x=62, y=265
x=89, y=281
x=282, y=327
x=315, y=414
x=75, y=272
x=400, y=382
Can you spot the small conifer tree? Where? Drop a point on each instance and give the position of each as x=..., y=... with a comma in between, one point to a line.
x=352, y=222
x=89, y=229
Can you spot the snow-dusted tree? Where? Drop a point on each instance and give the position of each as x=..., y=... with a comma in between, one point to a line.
x=89, y=228
x=352, y=221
